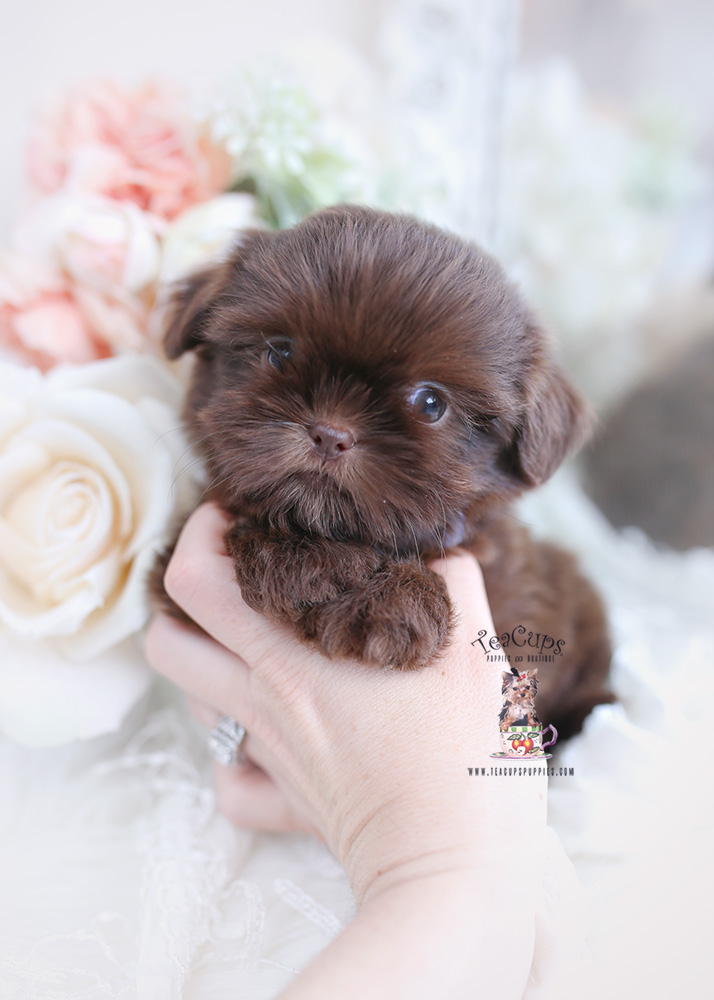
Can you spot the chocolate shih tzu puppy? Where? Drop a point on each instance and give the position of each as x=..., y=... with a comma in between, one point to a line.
x=369, y=392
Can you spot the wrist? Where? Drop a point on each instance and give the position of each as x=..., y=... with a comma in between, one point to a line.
x=459, y=871
x=475, y=924
x=494, y=829
x=443, y=934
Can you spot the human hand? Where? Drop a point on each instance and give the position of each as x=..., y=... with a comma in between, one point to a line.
x=375, y=762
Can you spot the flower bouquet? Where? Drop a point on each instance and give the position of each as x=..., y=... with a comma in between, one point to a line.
x=128, y=191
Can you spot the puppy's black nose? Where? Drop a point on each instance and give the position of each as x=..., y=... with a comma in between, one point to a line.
x=329, y=441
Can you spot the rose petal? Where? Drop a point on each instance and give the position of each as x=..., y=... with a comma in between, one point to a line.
x=129, y=613
x=47, y=700
x=18, y=465
x=66, y=439
x=58, y=528
x=204, y=232
x=62, y=440
x=109, y=246
x=16, y=394
x=20, y=614
x=131, y=378
x=147, y=469
x=88, y=455
x=120, y=322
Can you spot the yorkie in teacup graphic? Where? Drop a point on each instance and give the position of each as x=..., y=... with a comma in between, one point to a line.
x=521, y=731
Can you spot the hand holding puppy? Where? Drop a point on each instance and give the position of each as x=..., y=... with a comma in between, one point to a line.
x=344, y=751
x=373, y=762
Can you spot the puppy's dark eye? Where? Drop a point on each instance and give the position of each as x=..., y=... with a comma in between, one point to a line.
x=427, y=404
x=277, y=356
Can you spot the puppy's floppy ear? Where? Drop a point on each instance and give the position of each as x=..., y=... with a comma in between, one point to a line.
x=193, y=298
x=507, y=681
x=556, y=420
x=188, y=309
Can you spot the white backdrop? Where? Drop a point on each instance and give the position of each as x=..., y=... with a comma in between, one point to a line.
x=46, y=45
x=622, y=48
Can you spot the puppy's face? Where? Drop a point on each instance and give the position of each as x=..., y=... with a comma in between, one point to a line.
x=521, y=689
x=369, y=377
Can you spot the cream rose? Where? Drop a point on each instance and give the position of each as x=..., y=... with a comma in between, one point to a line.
x=204, y=232
x=89, y=481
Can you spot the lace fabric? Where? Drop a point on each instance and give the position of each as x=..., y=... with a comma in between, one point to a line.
x=121, y=880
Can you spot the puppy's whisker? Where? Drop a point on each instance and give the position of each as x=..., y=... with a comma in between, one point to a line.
x=179, y=429
x=391, y=527
x=518, y=520
x=416, y=543
x=213, y=485
x=443, y=536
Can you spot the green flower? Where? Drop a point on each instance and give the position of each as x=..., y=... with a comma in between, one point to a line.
x=283, y=150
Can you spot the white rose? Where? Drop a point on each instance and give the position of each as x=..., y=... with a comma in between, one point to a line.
x=89, y=481
x=202, y=233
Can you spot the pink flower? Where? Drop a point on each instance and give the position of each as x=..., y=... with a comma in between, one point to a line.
x=132, y=145
x=108, y=251
x=41, y=321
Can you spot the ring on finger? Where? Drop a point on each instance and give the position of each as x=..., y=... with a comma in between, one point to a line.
x=225, y=741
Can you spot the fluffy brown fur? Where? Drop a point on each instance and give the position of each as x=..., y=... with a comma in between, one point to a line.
x=324, y=353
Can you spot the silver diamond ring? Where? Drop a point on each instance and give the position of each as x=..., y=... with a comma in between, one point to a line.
x=224, y=741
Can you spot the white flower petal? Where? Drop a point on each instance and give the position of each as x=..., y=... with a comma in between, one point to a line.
x=88, y=459
x=64, y=439
x=127, y=614
x=22, y=462
x=47, y=700
x=204, y=232
x=129, y=377
x=145, y=463
x=18, y=388
x=103, y=243
x=61, y=524
x=22, y=616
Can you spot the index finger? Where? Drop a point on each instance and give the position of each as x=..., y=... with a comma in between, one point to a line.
x=464, y=580
x=200, y=578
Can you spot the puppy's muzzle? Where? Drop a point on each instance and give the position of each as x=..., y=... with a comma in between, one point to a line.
x=329, y=441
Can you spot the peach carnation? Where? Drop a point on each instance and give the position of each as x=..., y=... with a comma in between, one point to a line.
x=132, y=145
x=41, y=321
x=108, y=251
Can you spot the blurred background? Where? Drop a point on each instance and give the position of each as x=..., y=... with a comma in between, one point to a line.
x=574, y=138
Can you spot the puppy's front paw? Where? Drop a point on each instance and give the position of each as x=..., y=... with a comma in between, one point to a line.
x=283, y=577
x=401, y=618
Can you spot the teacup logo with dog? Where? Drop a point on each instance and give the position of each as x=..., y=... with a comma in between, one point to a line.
x=522, y=734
